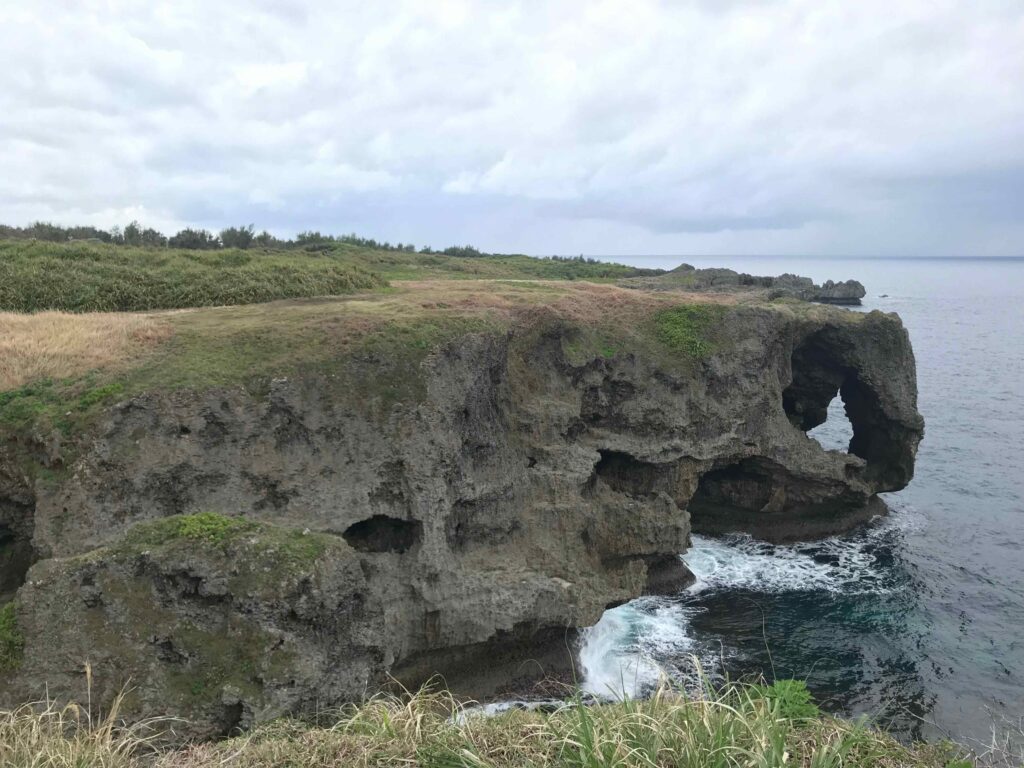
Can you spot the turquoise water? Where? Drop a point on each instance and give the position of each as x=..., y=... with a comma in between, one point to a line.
x=917, y=621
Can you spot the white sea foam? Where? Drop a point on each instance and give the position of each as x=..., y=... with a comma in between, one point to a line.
x=739, y=562
x=618, y=655
x=840, y=564
x=628, y=651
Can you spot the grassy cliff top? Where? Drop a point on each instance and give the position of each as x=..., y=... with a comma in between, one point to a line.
x=98, y=277
x=60, y=370
x=57, y=369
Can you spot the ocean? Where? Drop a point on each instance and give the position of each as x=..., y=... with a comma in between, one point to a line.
x=916, y=621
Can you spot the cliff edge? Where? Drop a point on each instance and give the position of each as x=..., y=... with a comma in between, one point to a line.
x=271, y=509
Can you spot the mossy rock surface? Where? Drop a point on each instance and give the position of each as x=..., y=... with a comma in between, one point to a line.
x=12, y=643
x=218, y=619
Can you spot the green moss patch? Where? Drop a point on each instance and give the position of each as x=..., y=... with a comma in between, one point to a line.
x=258, y=556
x=206, y=527
x=588, y=344
x=238, y=654
x=689, y=328
x=55, y=404
x=12, y=644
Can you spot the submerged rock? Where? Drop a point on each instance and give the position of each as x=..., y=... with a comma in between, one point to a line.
x=530, y=480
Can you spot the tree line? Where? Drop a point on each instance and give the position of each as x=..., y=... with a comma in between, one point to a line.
x=192, y=238
x=244, y=237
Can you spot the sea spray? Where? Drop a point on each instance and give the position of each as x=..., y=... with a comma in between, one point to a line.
x=634, y=645
x=619, y=657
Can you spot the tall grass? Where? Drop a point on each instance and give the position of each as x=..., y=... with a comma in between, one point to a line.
x=97, y=277
x=81, y=277
x=58, y=345
x=735, y=726
x=50, y=736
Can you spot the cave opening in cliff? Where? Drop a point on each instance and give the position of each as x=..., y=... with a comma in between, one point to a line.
x=382, y=533
x=821, y=367
x=627, y=474
x=816, y=399
x=16, y=557
x=836, y=432
x=738, y=488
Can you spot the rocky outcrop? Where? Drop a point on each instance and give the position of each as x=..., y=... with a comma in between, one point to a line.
x=848, y=292
x=688, y=278
x=465, y=533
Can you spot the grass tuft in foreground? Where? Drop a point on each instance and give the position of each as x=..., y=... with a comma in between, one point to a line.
x=736, y=726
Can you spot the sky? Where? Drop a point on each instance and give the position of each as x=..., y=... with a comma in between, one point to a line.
x=818, y=127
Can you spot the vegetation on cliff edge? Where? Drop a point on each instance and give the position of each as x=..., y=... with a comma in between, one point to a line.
x=98, y=277
x=265, y=553
x=688, y=328
x=38, y=276
x=737, y=726
x=11, y=641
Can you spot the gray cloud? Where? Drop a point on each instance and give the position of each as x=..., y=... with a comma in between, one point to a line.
x=615, y=126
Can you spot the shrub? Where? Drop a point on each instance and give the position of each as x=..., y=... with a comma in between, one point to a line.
x=792, y=697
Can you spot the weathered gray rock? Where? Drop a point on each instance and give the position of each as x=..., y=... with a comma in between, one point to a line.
x=462, y=533
x=848, y=292
x=687, y=278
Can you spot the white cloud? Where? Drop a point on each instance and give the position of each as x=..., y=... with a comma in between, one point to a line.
x=604, y=127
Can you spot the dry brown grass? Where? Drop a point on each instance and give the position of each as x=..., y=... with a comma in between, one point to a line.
x=58, y=345
x=736, y=728
x=236, y=340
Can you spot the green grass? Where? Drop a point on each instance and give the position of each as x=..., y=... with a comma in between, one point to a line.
x=96, y=277
x=57, y=404
x=793, y=699
x=11, y=641
x=729, y=728
x=397, y=265
x=689, y=328
x=68, y=408
x=266, y=548
x=77, y=277
x=206, y=527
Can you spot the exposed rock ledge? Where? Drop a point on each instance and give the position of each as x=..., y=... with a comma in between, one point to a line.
x=466, y=533
x=687, y=277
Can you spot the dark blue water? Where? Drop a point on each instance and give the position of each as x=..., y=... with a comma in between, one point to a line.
x=917, y=621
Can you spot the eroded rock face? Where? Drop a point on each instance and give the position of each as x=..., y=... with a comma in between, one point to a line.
x=462, y=534
x=848, y=292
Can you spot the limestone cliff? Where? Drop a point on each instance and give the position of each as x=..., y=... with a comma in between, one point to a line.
x=539, y=474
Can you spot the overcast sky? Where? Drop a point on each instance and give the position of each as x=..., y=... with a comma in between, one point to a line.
x=702, y=127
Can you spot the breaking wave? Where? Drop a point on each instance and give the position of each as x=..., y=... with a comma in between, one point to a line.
x=635, y=645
